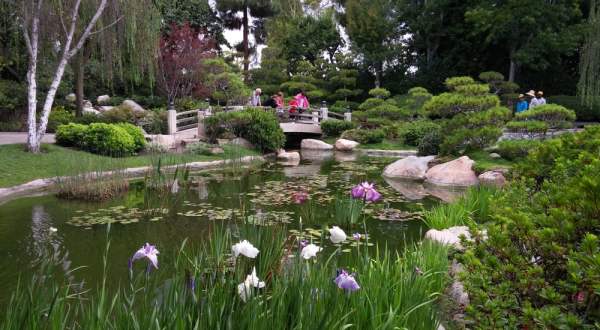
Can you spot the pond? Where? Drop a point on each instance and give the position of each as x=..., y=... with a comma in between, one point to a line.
x=263, y=196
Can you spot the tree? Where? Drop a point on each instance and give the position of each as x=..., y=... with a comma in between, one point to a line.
x=225, y=85
x=272, y=71
x=533, y=33
x=374, y=32
x=36, y=32
x=180, y=61
x=589, y=81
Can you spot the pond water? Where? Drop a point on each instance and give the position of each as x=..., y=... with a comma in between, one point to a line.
x=262, y=196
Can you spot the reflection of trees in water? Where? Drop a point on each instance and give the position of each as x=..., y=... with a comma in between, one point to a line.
x=46, y=245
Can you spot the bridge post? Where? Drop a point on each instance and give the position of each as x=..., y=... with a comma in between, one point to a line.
x=201, y=129
x=324, y=111
x=315, y=117
x=348, y=116
x=172, y=121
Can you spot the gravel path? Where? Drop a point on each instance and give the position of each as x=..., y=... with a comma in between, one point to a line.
x=21, y=137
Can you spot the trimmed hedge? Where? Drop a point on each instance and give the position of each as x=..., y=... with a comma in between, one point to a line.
x=136, y=133
x=556, y=116
x=388, y=111
x=413, y=132
x=59, y=116
x=364, y=136
x=335, y=127
x=70, y=135
x=115, y=140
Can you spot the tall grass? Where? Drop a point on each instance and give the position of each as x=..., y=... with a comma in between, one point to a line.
x=299, y=294
x=473, y=207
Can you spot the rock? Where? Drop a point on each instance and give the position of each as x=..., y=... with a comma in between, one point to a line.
x=71, y=97
x=314, y=144
x=450, y=236
x=345, y=145
x=458, y=172
x=411, y=167
x=458, y=293
x=242, y=143
x=104, y=108
x=133, y=106
x=495, y=155
x=87, y=104
x=103, y=99
x=411, y=189
x=165, y=141
x=455, y=268
x=90, y=110
x=217, y=150
x=492, y=178
x=288, y=156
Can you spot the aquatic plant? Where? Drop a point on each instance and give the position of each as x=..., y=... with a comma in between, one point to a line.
x=310, y=251
x=244, y=248
x=337, y=235
x=147, y=251
x=92, y=186
x=471, y=208
x=366, y=191
x=346, y=281
x=245, y=289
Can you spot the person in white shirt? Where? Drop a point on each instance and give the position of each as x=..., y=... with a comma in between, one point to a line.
x=255, y=100
x=537, y=100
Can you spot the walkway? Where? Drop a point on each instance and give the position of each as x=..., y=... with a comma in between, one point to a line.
x=21, y=138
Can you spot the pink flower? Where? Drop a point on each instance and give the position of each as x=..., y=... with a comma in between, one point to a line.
x=300, y=197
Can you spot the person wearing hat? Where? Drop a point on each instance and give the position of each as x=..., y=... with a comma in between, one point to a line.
x=522, y=105
x=255, y=100
x=537, y=100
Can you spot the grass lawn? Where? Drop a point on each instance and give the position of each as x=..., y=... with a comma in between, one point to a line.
x=385, y=145
x=483, y=161
x=18, y=166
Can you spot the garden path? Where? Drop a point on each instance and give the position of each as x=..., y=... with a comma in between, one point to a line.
x=21, y=138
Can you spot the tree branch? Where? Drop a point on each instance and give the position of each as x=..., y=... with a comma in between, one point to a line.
x=88, y=28
x=107, y=27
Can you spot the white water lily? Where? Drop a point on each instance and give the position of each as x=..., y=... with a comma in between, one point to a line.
x=310, y=251
x=337, y=235
x=53, y=230
x=245, y=288
x=244, y=248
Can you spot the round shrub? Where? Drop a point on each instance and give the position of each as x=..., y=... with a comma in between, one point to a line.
x=364, y=136
x=516, y=149
x=107, y=139
x=430, y=143
x=530, y=127
x=380, y=93
x=70, y=135
x=136, y=133
x=453, y=82
x=59, y=116
x=388, y=111
x=556, y=116
x=122, y=114
x=370, y=103
x=413, y=132
x=335, y=127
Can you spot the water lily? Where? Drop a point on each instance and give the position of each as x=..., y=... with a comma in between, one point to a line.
x=357, y=236
x=53, y=229
x=310, y=251
x=366, y=191
x=252, y=281
x=147, y=251
x=346, y=281
x=337, y=235
x=300, y=197
x=244, y=248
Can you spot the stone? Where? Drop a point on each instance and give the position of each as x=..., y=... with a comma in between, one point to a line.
x=450, y=236
x=133, y=106
x=87, y=104
x=103, y=99
x=411, y=189
x=411, y=167
x=492, y=178
x=495, y=155
x=288, y=156
x=345, y=145
x=90, y=110
x=71, y=97
x=104, y=108
x=166, y=141
x=314, y=144
x=458, y=293
x=458, y=172
x=242, y=143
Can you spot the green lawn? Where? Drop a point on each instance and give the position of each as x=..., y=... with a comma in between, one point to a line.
x=18, y=166
x=483, y=161
x=385, y=145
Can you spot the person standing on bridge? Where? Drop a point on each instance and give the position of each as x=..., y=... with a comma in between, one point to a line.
x=255, y=99
x=279, y=100
x=302, y=101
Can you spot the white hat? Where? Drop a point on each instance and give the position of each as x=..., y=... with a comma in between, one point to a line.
x=258, y=90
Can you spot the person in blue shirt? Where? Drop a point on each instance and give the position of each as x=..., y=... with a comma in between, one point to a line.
x=522, y=105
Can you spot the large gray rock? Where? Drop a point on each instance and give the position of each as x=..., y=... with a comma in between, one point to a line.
x=345, y=145
x=492, y=178
x=71, y=97
x=132, y=105
x=450, y=236
x=314, y=144
x=104, y=108
x=411, y=167
x=285, y=156
x=458, y=172
x=103, y=99
x=242, y=143
x=90, y=110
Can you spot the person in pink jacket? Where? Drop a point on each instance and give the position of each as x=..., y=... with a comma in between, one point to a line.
x=302, y=100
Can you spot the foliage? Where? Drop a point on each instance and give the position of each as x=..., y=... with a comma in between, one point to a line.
x=108, y=139
x=430, y=143
x=588, y=88
x=364, y=136
x=412, y=133
x=583, y=112
x=556, y=116
x=379, y=93
x=199, y=148
x=531, y=127
x=70, y=135
x=371, y=103
x=506, y=90
x=224, y=85
x=516, y=149
x=335, y=127
x=538, y=268
x=155, y=122
x=136, y=133
x=59, y=116
x=417, y=97
x=388, y=111
x=120, y=114
x=474, y=206
x=447, y=105
x=258, y=126
x=92, y=186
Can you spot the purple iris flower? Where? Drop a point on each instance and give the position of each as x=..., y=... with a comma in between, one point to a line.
x=147, y=251
x=300, y=197
x=356, y=236
x=366, y=191
x=346, y=281
x=303, y=243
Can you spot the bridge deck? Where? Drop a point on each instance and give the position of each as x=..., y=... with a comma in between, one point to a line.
x=299, y=127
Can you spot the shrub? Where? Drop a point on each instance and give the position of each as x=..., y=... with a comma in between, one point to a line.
x=107, y=139
x=516, y=149
x=447, y=105
x=531, y=127
x=136, y=133
x=88, y=118
x=59, y=116
x=188, y=103
x=155, y=121
x=370, y=103
x=388, y=111
x=556, y=116
x=335, y=127
x=122, y=115
x=364, y=136
x=199, y=148
x=70, y=135
x=583, y=112
x=376, y=122
x=359, y=116
x=452, y=83
x=343, y=106
x=413, y=132
x=430, y=143
x=380, y=93
x=473, y=89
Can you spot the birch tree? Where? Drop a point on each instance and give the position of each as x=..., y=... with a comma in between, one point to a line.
x=65, y=41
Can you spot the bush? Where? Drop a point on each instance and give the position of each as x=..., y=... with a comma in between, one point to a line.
x=107, y=139
x=538, y=267
x=388, y=111
x=452, y=83
x=370, y=103
x=335, y=127
x=583, y=112
x=413, y=132
x=88, y=118
x=155, y=122
x=529, y=127
x=199, y=148
x=122, y=115
x=136, y=133
x=70, y=135
x=343, y=106
x=59, y=116
x=364, y=136
x=430, y=143
x=516, y=149
x=447, y=105
x=188, y=103
x=380, y=93
x=556, y=116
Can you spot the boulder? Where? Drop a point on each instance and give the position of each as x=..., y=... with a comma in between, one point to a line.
x=71, y=97
x=314, y=144
x=242, y=143
x=103, y=99
x=345, y=145
x=87, y=104
x=288, y=156
x=165, y=141
x=492, y=178
x=495, y=155
x=458, y=172
x=411, y=167
x=450, y=236
x=133, y=106
x=90, y=110
x=104, y=108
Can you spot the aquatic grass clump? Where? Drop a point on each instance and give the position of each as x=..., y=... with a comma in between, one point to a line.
x=95, y=186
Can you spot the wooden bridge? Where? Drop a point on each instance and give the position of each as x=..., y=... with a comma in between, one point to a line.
x=307, y=122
